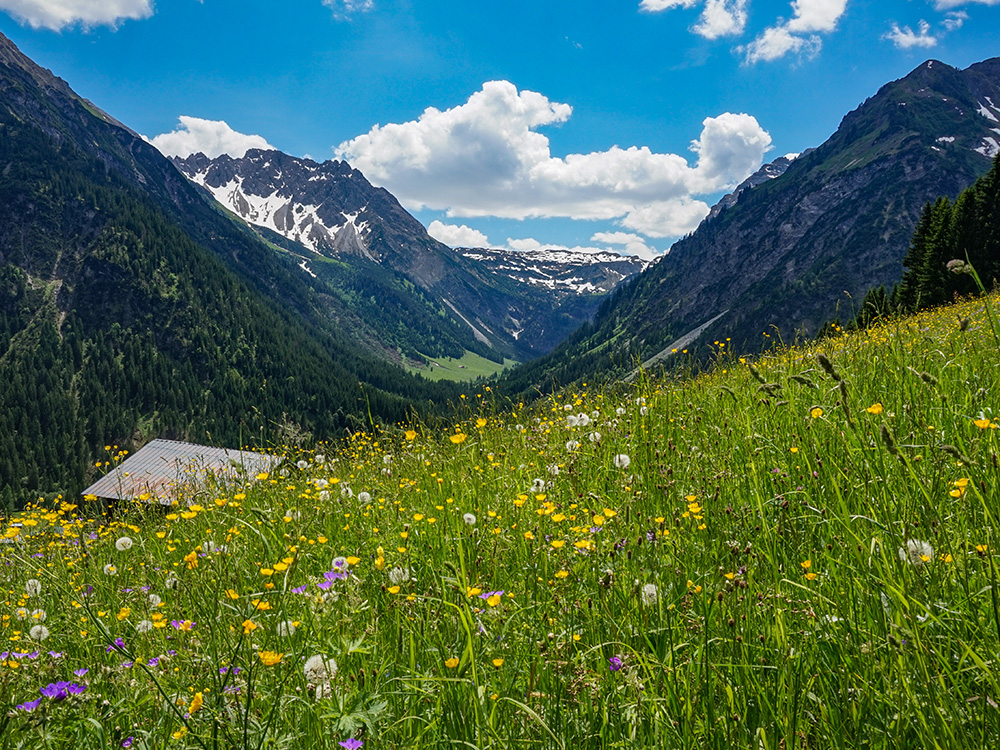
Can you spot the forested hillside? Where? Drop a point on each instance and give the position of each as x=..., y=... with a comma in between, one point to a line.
x=126, y=313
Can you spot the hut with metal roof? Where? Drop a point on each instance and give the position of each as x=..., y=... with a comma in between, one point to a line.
x=165, y=471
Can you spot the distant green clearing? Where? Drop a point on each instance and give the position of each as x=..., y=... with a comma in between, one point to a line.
x=469, y=367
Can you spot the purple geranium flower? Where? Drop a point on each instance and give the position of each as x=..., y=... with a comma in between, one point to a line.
x=300, y=589
x=80, y=672
x=56, y=691
x=118, y=644
x=128, y=741
x=154, y=661
x=351, y=744
x=615, y=663
x=30, y=706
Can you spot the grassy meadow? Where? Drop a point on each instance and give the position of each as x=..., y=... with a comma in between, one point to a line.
x=799, y=552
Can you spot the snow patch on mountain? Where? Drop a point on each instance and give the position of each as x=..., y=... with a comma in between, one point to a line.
x=560, y=270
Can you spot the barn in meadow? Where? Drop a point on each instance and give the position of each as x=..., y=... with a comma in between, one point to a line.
x=164, y=471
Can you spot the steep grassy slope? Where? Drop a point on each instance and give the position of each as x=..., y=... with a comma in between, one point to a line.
x=716, y=562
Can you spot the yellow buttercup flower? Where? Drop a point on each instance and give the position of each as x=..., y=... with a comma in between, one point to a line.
x=451, y=663
x=269, y=658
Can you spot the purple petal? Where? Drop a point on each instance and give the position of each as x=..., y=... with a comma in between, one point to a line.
x=30, y=706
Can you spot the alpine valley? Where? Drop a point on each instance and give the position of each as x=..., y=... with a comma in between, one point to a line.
x=132, y=304
x=268, y=297
x=413, y=298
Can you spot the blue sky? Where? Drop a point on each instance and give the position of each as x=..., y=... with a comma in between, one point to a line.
x=595, y=124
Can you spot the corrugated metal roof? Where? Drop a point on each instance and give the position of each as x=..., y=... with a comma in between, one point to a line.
x=163, y=470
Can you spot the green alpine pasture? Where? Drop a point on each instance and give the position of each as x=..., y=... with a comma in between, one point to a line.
x=794, y=552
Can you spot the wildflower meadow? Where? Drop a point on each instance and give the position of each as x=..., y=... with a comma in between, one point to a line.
x=798, y=551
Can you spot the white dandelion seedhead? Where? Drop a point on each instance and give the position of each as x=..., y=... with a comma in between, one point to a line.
x=572, y=445
x=364, y=498
x=595, y=437
x=470, y=519
x=538, y=485
x=346, y=491
x=321, y=484
x=621, y=411
x=172, y=581
x=319, y=458
x=398, y=575
x=40, y=615
x=212, y=548
x=572, y=421
x=553, y=469
x=318, y=671
x=582, y=419
x=154, y=601
x=21, y=613
x=622, y=461
x=649, y=594
x=285, y=629
x=110, y=570
x=33, y=587
x=38, y=633
x=123, y=543
x=144, y=626
x=302, y=463
x=916, y=552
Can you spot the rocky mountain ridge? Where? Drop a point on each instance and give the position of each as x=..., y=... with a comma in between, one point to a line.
x=516, y=305
x=803, y=248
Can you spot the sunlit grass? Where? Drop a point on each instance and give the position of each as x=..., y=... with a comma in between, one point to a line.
x=801, y=554
x=469, y=366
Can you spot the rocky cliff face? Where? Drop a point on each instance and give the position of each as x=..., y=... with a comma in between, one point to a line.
x=767, y=172
x=802, y=248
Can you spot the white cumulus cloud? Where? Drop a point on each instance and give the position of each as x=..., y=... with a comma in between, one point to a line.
x=718, y=17
x=906, y=38
x=947, y=4
x=210, y=137
x=722, y=18
x=625, y=243
x=955, y=20
x=58, y=14
x=343, y=9
x=457, y=235
x=816, y=15
x=487, y=158
x=653, y=6
x=799, y=33
x=673, y=218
